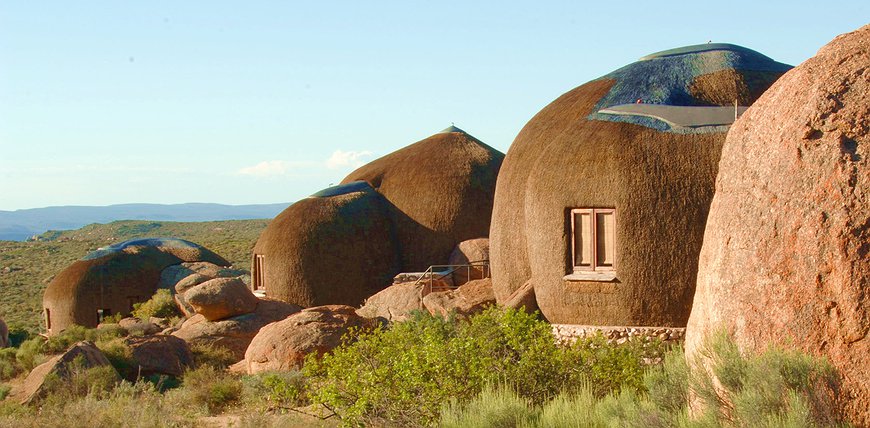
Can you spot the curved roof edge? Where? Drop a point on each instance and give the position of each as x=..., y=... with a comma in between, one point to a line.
x=680, y=116
x=343, y=189
x=706, y=47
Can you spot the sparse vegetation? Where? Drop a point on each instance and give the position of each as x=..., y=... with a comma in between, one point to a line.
x=161, y=305
x=501, y=368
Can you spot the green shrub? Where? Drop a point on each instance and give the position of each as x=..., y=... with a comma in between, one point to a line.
x=275, y=390
x=210, y=355
x=161, y=305
x=9, y=367
x=120, y=356
x=4, y=391
x=493, y=407
x=405, y=374
x=17, y=335
x=209, y=388
x=29, y=354
x=776, y=388
x=759, y=390
x=79, y=381
x=128, y=405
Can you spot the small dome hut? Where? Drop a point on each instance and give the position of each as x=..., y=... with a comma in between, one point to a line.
x=111, y=280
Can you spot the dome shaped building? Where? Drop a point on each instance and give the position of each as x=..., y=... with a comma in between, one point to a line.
x=602, y=199
x=111, y=280
x=403, y=212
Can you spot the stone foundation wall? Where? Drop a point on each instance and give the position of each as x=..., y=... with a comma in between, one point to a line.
x=569, y=333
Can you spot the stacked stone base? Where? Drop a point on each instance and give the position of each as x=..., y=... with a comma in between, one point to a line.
x=569, y=333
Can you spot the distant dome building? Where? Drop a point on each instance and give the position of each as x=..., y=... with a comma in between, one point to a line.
x=402, y=212
x=602, y=199
x=111, y=280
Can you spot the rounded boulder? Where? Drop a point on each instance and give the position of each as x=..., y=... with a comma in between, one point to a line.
x=785, y=255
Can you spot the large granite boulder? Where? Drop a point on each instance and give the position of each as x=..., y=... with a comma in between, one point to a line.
x=221, y=298
x=159, y=354
x=470, y=298
x=283, y=345
x=393, y=303
x=4, y=334
x=84, y=353
x=135, y=325
x=468, y=251
x=234, y=333
x=182, y=277
x=785, y=254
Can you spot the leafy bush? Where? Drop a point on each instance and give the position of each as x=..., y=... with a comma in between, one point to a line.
x=161, y=305
x=275, y=390
x=4, y=391
x=405, y=374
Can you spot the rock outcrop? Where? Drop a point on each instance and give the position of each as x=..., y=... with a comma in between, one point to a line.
x=84, y=353
x=221, y=298
x=135, y=325
x=184, y=276
x=234, y=333
x=785, y=254
x=4, y=334
x=472, y=250
x=393, y=303
x=159, y=354
x=283, y=345
x=470, y=298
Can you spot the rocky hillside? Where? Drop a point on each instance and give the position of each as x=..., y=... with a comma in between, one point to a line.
x=27, y=267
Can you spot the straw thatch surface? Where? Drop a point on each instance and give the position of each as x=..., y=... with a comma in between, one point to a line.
x=116, y=277
x=337, y=249
x=659, y=180
x=441, y=191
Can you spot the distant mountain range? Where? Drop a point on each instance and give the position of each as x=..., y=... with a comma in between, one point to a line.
x=22, y=224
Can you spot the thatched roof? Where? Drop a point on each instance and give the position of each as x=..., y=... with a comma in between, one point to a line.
x=657, y=175
x=116, y=276
x=441, y=191
x=336, y=247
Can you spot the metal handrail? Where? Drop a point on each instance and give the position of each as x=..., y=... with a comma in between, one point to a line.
x=431, y=272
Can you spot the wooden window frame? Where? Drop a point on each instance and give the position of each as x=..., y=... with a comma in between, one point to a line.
x=259, y=265
x=594, y=265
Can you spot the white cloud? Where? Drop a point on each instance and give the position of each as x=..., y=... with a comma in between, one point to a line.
x=342, y=159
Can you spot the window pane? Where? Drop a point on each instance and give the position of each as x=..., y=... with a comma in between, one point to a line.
x=605, y=228
x=583, y=239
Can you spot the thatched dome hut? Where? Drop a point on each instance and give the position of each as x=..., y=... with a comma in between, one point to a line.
x=403, y=212
x=441, y=189
x=336, y=247
x=603, y=196
x=111, y=280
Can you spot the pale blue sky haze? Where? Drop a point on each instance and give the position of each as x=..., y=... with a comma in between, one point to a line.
x=105, y=102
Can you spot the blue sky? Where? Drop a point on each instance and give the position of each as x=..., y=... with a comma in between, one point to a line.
x=105, y=102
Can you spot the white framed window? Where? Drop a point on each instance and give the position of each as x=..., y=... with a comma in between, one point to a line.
x=593, y=243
